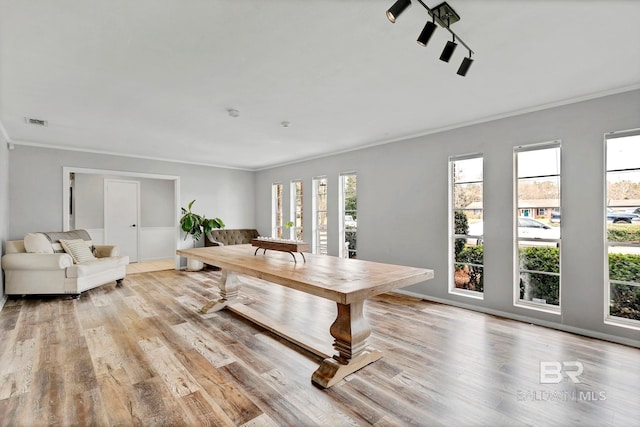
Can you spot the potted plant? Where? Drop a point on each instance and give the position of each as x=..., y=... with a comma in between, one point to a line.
x=288, y=225
x=196, y=225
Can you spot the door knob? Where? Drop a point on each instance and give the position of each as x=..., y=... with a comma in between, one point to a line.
x=133, y=225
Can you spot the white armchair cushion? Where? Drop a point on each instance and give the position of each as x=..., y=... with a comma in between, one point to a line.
x=37, y=243
x=78, y=249
x=97, y=266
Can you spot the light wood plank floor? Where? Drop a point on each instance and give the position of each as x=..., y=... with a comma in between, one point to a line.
x=148, y=266
x=142, y=355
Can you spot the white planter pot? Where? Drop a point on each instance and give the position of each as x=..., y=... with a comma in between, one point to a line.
x=194, y=265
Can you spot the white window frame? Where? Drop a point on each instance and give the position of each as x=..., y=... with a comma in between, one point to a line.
x=295, y=209
x=276, y=210
x=451, y=224
x=608, y=318
x=316, y=244
x=344, y=250
x=548, y=308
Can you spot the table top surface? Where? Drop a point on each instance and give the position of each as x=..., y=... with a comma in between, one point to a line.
x=338, y=279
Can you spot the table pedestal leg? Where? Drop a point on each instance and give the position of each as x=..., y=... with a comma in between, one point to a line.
x=350, y=331
x=229, y=286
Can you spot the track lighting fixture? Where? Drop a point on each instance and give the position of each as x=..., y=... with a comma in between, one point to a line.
x=443, y=15
x=397, y=8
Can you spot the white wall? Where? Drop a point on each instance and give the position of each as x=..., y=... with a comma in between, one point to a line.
x=35, y=176
x=402, y=205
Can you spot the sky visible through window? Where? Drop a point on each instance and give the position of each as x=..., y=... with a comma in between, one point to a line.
x=623, y=153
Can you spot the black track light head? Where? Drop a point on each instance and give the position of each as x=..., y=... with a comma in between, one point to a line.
x=464, y=67
x=448, y=50
x=426, y=33
x=397, y=8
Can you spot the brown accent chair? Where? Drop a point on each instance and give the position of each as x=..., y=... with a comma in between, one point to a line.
x=224, y=237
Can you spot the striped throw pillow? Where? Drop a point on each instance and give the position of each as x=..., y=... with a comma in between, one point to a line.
x=78, y=249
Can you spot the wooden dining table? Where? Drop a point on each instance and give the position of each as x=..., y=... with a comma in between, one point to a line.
x=347, y=282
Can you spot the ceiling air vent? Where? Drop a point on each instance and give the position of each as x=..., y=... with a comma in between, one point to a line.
x=36, y=122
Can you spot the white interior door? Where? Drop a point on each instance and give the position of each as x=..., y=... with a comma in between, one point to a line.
x=122, y=216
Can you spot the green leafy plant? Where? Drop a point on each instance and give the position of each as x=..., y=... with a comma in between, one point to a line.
x=351, y=237
x=543, y=286
x=461, y=226
x=624, y=299
x=472, y=255
x=623, y=233
x=196, y=225
x=288, y=224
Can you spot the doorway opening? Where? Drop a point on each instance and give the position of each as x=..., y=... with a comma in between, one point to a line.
x=83, y=194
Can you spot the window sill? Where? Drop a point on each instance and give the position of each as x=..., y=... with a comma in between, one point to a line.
x=621, y=322
x=546, y=308
x=467, y=293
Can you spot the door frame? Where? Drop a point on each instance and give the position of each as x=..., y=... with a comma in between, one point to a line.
x=66, y=170
x=106, y=183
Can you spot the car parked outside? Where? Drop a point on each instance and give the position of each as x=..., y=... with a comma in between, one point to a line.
x=612, y=216
x=349, y=222
x=634, y=211
x=528, y=228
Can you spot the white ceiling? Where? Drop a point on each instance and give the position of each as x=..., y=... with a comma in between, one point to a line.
x=154, y=78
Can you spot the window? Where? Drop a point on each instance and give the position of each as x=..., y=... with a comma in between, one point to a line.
x=296, y=210
x=623, y=228
x=349, y=219
x=537, y=248
x=276, y=211
x=466, y=216
x=319, y=243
